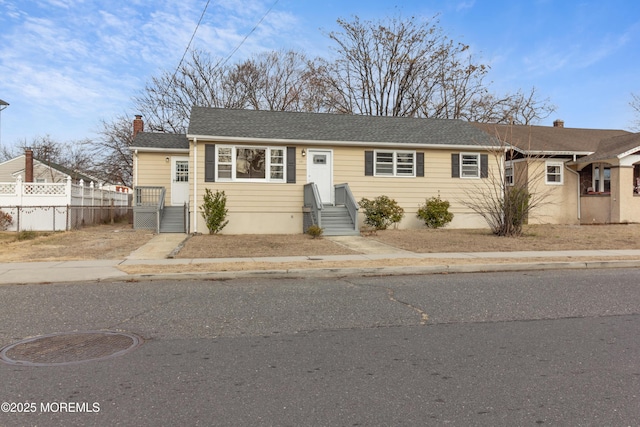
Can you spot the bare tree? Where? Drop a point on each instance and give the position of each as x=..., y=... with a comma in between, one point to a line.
x=407, y=67
x=112, y=158
x=509, y=195
x=635, y=104
x=274, y=80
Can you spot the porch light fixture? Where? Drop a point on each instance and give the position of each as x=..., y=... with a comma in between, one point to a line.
x=166, y=159
x=304, y=152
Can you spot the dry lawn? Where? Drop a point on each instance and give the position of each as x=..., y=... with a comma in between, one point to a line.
x=97, y=242
x=535, y=238
x=118, y=241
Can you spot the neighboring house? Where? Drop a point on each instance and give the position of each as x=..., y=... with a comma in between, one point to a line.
x=45, y=196
x=283, y=171
x=587, y=175
x=42, y=171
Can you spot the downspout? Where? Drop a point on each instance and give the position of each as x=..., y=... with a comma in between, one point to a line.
x=135, y=162
x=195, y=186
x=578, y=191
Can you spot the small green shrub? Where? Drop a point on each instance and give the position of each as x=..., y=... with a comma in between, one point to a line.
x=435, y=212
x=381, y=212
x=214, y=210
x=314, y=231
x=5, y=220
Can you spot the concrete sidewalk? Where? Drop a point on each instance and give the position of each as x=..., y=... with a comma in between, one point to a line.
x=159, y=250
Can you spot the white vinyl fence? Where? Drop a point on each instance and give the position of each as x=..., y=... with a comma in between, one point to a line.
x=59, y=206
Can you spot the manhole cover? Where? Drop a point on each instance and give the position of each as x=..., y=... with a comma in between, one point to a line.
x=69, y=348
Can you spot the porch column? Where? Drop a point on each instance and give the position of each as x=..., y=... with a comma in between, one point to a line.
x=622, y=195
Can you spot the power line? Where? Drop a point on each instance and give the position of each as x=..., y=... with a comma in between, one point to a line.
x=220, y=64
x=191, y=40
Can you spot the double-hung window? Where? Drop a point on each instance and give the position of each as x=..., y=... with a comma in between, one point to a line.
x=508, y=174
x=395, y=163
x=241, y=163
x=554, y=173
x=469, y=165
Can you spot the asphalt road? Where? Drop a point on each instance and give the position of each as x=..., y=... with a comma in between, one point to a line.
x=528, y=348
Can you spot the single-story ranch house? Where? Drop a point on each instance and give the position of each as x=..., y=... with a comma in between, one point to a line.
x=283, y=171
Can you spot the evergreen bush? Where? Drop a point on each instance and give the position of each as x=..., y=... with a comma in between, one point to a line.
x=214, y=210
x=435, y=212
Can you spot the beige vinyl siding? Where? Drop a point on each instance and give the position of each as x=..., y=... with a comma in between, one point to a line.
x=153, y=170
x=255, y=207
x=262, y=207
x=412, y=192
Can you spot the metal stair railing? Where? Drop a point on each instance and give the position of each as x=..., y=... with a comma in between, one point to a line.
x=313, y=202
x=344, y=196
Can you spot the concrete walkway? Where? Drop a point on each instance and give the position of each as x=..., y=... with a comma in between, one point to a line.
x=160, y=249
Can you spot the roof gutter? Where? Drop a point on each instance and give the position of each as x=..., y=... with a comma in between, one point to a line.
x=315, y=142
x=160, y=150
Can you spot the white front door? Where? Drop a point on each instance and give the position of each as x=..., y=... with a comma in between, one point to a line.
x=320, y=172
x=179, y=181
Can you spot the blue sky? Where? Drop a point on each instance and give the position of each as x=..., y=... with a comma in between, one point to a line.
x=67, y=64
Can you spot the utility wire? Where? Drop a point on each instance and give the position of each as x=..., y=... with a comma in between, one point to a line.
x=190, y=41
x=221, y=64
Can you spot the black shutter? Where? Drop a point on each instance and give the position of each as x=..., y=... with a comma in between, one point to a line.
x=484, y=166
x=419, y=164
x=368, y=163
x=291, y=165
x=455, y=166
x=209, y=163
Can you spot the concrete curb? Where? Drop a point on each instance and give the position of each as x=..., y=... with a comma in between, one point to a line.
x=379, y=271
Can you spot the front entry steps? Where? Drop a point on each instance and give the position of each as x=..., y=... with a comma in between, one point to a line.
x=173, y=220
x=336, y=221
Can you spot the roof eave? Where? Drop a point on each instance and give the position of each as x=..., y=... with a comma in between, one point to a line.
x=311, y=142
x=159, y=150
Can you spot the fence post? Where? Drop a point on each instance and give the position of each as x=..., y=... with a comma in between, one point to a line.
x=19, y=190
x=93, y=202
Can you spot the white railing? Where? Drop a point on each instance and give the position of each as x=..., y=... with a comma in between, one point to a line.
x=59, y=194
x=59, y=206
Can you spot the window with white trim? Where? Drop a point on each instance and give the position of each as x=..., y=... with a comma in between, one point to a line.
x=242, y=163
x=554, y=172
x=469, y=165
x=508, y=173
x=394, y=163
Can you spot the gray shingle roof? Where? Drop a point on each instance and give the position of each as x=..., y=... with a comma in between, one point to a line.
x=160, y=140
x=296, y=126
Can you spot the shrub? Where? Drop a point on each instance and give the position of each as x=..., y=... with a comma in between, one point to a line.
x=214, y=210
x=435, y=212
x=5, y=220
x=516, y=208
x=381, y=212
x=314, y=231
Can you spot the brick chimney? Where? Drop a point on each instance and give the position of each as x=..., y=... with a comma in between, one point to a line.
x=138, y=125
x=28, y=165
x=558, y=123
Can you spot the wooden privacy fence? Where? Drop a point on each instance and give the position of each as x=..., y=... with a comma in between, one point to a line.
x=60, y=206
